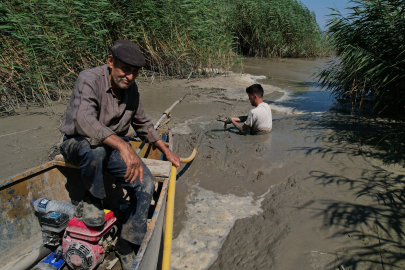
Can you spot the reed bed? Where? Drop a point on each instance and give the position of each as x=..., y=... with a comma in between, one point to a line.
x=46, y=43
x=370, y=68
x=278, y=28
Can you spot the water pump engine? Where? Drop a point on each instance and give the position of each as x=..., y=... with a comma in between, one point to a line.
x=84, y=247
x=53, y=225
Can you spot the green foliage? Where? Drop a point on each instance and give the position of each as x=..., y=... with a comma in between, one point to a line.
x=276, y=28
x=369, y=43
x=46, y=43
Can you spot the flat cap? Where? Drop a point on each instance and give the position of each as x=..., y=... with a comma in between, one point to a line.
x=128, y=52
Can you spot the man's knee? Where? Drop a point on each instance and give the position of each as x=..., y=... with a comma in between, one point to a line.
x=96, y=154
x=77, y=150
x=148, y=185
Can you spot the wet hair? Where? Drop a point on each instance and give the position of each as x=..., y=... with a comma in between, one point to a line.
x=255, y=89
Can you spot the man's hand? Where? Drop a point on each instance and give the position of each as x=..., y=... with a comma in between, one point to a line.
x=128, y=155
x=172, y=157
x=243, y=129
x=134, y=165
x=225, y=119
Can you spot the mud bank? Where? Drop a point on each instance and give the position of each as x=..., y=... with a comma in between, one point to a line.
x=301, y=197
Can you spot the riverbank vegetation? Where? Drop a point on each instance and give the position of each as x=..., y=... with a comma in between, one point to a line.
x=46, y=43
x=282, y=28
x=369, y=70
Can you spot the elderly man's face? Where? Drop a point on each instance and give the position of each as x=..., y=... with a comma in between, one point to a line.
x=121, y=74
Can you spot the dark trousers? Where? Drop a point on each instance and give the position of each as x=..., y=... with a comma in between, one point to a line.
x=93, y=162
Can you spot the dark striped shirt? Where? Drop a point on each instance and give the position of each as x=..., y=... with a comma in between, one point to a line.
x=95, y=113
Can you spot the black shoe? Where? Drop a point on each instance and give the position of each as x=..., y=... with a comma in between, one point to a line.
x=91, y=214
x=125, y=253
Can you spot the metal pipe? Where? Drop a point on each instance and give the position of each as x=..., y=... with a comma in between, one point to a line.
x=167, y=112
x=28, y=261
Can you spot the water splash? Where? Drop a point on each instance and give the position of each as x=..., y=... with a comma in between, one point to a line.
x=210, y=217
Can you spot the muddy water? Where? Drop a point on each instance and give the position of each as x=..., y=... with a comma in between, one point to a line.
x=232, y=174
x=297, y=76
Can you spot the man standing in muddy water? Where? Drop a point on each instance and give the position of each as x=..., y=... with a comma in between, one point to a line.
x=104, y=103
x=259, y=119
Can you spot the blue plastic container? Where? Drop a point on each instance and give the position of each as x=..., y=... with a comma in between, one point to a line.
x=50, y=263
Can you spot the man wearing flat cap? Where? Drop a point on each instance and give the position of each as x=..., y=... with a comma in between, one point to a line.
x=104, y=103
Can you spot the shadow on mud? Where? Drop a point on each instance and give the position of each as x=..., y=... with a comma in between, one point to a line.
x=378, y=138
x=378, y=226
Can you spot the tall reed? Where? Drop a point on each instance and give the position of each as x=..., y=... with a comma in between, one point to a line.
x=46, y=43
x=277, y=28
x=371, y=64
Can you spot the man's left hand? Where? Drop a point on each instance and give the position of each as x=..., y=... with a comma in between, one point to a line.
x=170, y=156
x=173, y=158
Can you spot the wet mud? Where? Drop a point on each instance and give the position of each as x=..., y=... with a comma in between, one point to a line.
x=302, y=197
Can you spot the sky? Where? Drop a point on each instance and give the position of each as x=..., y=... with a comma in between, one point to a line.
x=321, y=9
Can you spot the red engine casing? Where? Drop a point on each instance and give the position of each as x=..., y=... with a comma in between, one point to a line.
x=81, y=245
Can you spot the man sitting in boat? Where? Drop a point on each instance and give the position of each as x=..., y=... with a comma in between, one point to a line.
x=259, y=119
x=104, y=103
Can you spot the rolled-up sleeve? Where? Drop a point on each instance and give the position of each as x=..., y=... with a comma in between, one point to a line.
x=86, y=119
x=143, y=127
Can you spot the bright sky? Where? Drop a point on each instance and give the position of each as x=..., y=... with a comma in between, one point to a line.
x=321, y=9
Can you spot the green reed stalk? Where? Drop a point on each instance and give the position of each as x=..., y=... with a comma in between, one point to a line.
x=46, y=43
x=371, y=64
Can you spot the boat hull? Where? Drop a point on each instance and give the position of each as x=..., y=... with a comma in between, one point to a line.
x=20, y=232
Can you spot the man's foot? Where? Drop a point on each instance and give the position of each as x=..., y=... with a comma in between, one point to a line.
x=126, y=253
x=91, y=214
x=225, y=119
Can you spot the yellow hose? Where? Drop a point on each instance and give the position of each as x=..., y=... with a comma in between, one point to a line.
x=190, y=158
x=167, y=249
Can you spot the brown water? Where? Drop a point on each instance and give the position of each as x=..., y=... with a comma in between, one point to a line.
x=268, y=201
x=284, y=73
x=231, y=175
x=297, y=76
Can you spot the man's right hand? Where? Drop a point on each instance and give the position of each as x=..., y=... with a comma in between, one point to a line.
x=128, y=155
x=134, y=165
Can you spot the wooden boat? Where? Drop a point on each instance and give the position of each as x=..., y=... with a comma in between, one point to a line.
x=20, y=232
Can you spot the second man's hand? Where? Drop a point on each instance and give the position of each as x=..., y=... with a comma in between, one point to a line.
x=242, y=129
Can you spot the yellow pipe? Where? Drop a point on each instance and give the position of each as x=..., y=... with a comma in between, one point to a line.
x=167, y=249
x=190, y=158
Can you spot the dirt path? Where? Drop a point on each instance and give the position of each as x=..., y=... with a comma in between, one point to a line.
x=27, y=139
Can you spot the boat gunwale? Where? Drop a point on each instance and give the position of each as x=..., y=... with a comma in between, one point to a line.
x=152, y=226
x=30, y=172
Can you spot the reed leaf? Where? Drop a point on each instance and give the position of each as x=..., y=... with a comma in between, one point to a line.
x=54, y=40
x=369, y=43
